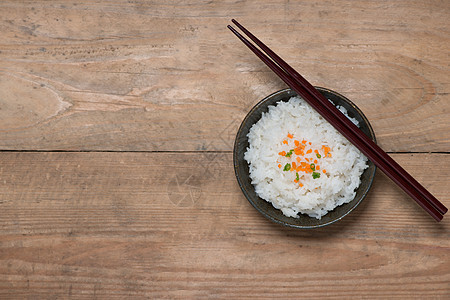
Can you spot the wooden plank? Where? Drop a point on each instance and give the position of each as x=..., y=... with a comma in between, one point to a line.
x=176, y=225
x=135, y=76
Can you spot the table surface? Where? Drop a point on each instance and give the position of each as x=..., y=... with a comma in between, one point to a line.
x=117, y=122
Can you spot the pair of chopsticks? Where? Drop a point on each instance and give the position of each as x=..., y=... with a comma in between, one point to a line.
x=336, y=118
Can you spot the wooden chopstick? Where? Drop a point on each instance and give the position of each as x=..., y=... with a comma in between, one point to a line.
x=305, y=84
x=345, y=126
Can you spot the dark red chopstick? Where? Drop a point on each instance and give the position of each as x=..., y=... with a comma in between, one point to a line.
x=374, y=147
x=329, y=112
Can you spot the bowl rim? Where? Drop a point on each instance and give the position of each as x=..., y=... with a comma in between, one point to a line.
x=240, y=180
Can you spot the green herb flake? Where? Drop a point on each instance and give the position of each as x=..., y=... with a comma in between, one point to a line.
x=287, y=167
x=297, y=177
x=289, y=153
x=316, y=175
x=313, y=167
x=318, y=155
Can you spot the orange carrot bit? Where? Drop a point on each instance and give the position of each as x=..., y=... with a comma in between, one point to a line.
x=303, y=164
x=300, y=147
x=309, y=151
x=279, y=166
x=300, y=184
x=317, y=167
x=296, y=143
x=282, y=153
x=298, y=151
x=290, y=136
x=285, y=142
x=315, y=161
x=307, y=159
x=303, y=142
x=329, y=154
x=316, y=151
x=294, y=166
x=324, y=171
x=309, y=143
x=298, y=159
x=295, y=180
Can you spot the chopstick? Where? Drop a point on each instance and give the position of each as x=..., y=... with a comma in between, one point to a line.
x=380, y=158
x=306, y=85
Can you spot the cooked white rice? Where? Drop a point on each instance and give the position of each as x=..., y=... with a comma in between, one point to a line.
x=312, y=196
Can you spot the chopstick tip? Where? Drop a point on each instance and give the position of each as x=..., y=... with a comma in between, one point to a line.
x=233, y=30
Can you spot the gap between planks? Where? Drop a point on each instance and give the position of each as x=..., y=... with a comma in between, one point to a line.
x=177, y=151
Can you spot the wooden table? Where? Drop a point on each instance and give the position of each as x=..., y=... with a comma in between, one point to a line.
x=117, y=121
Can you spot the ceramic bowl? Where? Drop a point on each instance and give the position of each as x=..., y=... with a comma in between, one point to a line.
x=241, y=167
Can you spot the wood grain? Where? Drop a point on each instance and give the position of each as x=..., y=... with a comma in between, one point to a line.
x=175, y=77
x=160, y=225
x=117, y=120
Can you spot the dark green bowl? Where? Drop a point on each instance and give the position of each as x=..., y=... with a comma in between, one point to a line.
x=242, y=171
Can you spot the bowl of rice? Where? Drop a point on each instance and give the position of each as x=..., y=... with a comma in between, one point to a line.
x=294, y=167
